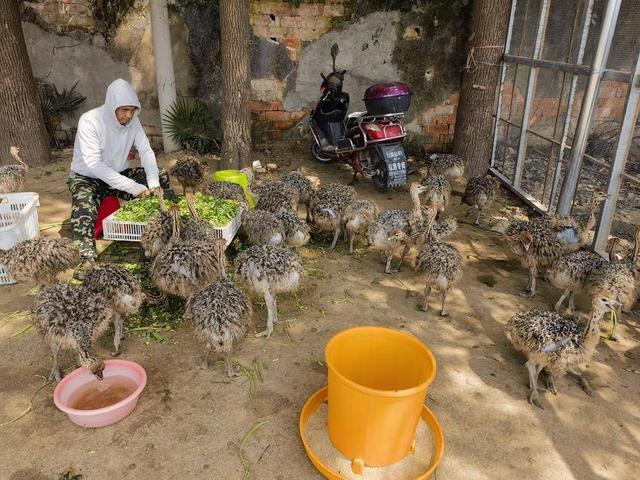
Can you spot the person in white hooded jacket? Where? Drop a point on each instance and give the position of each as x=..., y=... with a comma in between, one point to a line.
x=100, y=165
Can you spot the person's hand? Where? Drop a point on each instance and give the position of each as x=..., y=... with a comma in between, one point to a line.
x=144, y=194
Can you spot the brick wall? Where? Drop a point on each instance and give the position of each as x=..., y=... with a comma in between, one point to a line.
x=64, y=15
x=290, y=26
x=438, y=123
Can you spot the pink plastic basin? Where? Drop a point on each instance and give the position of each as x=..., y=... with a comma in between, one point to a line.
x=100, y=417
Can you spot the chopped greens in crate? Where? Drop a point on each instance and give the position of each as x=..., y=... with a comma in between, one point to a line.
x=218, y=212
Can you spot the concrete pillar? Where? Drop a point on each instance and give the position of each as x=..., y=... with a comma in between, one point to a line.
x=165, y=79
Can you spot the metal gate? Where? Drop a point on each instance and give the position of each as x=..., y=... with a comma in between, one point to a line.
x=567, y=108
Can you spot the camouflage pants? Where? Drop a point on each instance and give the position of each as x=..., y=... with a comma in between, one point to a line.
x=86, y=196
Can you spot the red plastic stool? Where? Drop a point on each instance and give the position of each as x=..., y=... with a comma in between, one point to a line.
x=109, y=205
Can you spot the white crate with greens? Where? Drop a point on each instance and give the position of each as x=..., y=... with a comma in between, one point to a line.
x=128, y=223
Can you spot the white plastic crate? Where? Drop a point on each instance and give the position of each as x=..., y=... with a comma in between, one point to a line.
x=119, y=230
x=18, y=222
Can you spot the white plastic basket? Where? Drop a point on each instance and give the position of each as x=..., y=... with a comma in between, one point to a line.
x=18, y=222
x=119, y=230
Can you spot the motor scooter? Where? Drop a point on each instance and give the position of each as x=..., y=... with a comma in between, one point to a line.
x=370, y=141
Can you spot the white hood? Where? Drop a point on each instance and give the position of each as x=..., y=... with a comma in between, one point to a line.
x=102, y=145
x=121, y=94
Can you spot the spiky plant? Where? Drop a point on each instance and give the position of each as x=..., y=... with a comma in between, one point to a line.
x=57, y=105
x=193, y=125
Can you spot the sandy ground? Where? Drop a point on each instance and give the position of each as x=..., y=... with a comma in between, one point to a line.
x=189, y=422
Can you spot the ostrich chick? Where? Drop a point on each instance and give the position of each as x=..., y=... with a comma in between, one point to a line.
x=12, y=176
x=226, y=191
x=200, y=230
x=570, y=272
x=72, y=317
x=296, y=229
x=536, y=244
x=40, y=260
x=574, y=232
x=269, y=270
x=559, y=344
x=183, y=268
x=440, y=263
x=220, y=314
x=303, y=186
x=158, y=230
x=262, y=227
x=121, y=290
x=480, y=193
x=619, y=280
x=380, y=234
x=437, y=191
x=190, y=172
x=447, y=165
x=357, y=217
x=327, y=208
x=276, y=196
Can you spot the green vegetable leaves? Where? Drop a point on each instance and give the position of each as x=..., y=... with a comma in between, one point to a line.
x=218, y=212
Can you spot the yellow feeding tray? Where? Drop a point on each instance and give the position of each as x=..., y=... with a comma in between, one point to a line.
x=235, y=176
x=316, y=401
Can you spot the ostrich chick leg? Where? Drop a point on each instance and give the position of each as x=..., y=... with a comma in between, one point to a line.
x=558, y=305
x=352, y=236
x=424, y=306
x=572, y=306
x=55, y=368
x=389, y=255
x=231, y=370
x=531, y=290
x=443, y=312
x=118, y=335
x=534, y=371
x=272, y=314
x=549, y=381
x=405, y=250
x=336, y=235
x=204, y=362
x=584, y=383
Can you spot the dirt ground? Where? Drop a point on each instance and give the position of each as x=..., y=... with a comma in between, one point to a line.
x=189, y=422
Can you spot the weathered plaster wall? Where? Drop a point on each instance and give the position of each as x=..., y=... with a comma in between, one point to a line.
x=366, y=48
x=419, y=42
x=66, y=46
x=94, y=42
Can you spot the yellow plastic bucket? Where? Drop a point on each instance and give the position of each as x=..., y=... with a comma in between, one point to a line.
x=234, y=176
x=378, y=379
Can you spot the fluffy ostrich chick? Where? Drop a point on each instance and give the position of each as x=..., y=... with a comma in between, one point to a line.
x=268, y=270
x=220, y=314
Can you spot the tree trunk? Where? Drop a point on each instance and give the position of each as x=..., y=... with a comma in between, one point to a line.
x=21, y=122
x=235, y=45
x=472, y=139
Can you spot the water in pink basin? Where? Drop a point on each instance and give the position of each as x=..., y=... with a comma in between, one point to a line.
x=79, y=393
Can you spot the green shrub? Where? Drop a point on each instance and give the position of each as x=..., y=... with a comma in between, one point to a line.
x=57, y=106
x=193, y=125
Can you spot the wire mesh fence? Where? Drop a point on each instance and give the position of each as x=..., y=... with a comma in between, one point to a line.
x=565, y=63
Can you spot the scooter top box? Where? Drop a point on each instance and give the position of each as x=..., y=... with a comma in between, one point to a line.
x=387, y=98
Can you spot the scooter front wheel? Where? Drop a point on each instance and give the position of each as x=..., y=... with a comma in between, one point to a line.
x=315, y=152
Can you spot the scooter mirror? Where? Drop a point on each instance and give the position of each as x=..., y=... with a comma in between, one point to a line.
x=334, y=53
x=334, y=50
